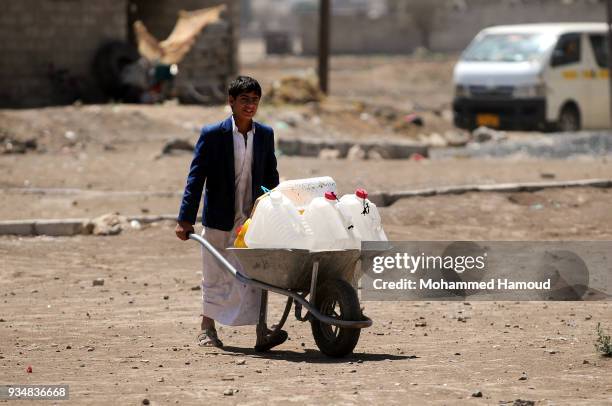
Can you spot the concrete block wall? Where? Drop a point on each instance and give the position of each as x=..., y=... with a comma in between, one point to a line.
x=47, y=47
x=358, y=34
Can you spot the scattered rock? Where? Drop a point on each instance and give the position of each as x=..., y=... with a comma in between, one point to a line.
x=523, y=376
x=436, y=140
x=160, y=379
x=146, y=402
x=70, y=136
x=176, y=144
x=241, y=362
x=477, y=394
x=519, y=402
x=228, y=392
x=329, y=153
x=135, y=224
x=420, y=324
x=10, y=145
x=109, y=224
x=376, y=154
x=456, y=138
x=98, y=282
x=356, y=153
x=166, y=297
x=485, y=134
x=197, y=287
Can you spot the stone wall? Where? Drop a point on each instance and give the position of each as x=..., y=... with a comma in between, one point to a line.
x=48, y=46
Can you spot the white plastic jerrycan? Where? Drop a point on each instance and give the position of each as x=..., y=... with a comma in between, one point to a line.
x=302, y=191
x=276, y=223
x=331, y=228
x=364, y=216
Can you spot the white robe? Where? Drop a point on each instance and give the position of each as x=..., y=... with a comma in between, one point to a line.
x=224, y=298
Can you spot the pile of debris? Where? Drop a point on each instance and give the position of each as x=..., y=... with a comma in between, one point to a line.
x=295, y=90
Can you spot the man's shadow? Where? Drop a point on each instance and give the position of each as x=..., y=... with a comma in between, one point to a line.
x=310, y=355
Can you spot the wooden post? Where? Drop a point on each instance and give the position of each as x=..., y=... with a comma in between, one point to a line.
x=324, y=31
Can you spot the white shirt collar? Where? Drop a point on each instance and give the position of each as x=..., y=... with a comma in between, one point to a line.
x=235, y=128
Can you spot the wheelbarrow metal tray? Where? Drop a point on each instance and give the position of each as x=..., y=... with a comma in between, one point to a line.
x=292, y=268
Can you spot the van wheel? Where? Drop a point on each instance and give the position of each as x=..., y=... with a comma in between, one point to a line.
x=569, y=119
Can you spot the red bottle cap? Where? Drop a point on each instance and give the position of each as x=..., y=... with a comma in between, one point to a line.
x=361, y=193
x=331, y=196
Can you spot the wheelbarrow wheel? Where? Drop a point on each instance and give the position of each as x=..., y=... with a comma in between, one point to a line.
x=337, y=299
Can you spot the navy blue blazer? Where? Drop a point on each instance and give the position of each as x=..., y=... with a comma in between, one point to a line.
x=213, y=162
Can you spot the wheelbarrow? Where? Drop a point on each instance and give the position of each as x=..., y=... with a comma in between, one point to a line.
x=317, y=281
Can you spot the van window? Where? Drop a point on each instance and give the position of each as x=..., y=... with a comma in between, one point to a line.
x=515, y=47
x=600, y=49
x=567, y=50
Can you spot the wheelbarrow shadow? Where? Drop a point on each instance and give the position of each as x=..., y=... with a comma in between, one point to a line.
x=310, y=355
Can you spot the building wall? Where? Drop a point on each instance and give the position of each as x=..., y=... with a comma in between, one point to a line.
x=455, y=24
x=47, y=46
x=455, y=28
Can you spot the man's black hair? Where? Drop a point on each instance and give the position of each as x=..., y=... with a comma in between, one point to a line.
x=243, y=84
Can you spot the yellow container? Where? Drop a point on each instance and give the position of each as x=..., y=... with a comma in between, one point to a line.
x=239, y=243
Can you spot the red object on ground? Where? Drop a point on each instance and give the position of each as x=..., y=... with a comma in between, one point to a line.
x=29, y=370
x=361, y=193
x=417, y=157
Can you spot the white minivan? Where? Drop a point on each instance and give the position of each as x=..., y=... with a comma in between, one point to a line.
x=534, y=77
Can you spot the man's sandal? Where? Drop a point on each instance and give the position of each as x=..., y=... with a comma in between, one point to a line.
x=208, y=338
x=271, y=340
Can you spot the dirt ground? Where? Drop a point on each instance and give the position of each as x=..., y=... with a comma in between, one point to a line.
x=125, y=342
x=134, y=337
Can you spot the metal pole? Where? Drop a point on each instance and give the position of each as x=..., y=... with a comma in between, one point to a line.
x=324, y=31
x=609, y=15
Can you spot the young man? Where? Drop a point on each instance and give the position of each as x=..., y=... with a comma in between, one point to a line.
x=234, y=158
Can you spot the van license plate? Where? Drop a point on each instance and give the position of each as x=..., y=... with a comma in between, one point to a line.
x=487, y=120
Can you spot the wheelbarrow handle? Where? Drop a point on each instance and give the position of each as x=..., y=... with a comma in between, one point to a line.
x=224, y=262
